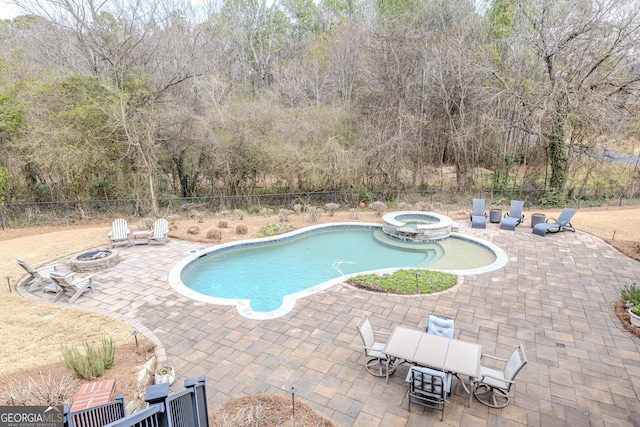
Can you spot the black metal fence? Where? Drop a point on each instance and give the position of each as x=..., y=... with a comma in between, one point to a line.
x=96, y=416
x=187, y=408
x=28, y=214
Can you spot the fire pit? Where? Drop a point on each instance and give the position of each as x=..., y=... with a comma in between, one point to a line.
x=95, y=260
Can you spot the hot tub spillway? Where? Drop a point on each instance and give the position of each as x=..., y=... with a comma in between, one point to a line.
x=417, y=226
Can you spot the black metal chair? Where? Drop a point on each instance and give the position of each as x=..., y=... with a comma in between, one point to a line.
x=428, y=388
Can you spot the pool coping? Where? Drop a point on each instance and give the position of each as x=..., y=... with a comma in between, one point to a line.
x=243, y=306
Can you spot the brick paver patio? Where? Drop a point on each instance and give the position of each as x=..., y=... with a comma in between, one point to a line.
x=555, y=296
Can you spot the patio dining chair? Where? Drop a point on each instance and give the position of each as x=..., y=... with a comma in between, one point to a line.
x=492, y=387
x=428, y=388
x=442, y=325
x=376, y=360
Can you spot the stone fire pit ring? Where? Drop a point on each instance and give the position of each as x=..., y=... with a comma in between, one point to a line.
x=94, y=260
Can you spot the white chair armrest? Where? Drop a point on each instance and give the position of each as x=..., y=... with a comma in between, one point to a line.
x=85, y=279
x=488, y=356
x=48, y=268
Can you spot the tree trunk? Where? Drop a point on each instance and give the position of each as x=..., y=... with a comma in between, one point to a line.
x=556, y=147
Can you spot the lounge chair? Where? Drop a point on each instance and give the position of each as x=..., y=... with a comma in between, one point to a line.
x=160, y=231
x=376, y=360
x=555, y=225
x=119, y=233
x=39, y=275
x=478, y=215
x=70, y=285
x=514, y=217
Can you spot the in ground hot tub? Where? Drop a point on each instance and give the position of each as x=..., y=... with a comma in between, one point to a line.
x=417, y=226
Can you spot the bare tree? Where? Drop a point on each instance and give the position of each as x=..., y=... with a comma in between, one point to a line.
x=586, y=53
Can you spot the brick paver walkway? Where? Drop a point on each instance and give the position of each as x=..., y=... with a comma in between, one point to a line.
x=555, y=296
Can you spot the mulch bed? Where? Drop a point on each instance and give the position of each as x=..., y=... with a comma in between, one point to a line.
x=266, y=411
x=621, y=312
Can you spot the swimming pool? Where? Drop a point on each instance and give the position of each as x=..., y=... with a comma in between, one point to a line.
x=264, y=277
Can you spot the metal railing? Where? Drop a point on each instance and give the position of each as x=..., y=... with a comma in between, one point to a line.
x=186, y=408
x=96, y=416
x=28, y=214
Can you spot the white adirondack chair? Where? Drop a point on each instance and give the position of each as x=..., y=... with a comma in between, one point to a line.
x=160, y=231
x=39, y=275
x=120, y=232
x=69, y=285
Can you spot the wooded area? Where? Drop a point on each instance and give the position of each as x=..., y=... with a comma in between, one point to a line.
x=162, y=98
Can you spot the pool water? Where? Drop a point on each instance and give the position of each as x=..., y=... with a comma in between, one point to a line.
x=264, y=272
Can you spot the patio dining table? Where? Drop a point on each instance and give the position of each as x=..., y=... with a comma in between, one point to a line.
x=449, y=355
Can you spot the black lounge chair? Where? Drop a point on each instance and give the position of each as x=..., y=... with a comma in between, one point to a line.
x=555, y=225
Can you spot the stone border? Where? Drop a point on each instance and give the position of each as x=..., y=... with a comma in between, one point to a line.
x=439, y=229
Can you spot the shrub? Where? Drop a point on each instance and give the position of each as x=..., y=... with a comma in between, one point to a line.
x=198, y=215
x=92, y=363
x=284, y=214
x=552, y=199
x=48, y=391
x=214, y=234
x=315, y=213
x=406, y=282
x=423, y=206
x=354, y=213
x=265, y=211
x=297, y=208
x=222, y=224
x=239, y=214
x=241, y=229
x=274, y=229
x=145, y=224
x=332, y=208
x=194, y=229
x=53, y=393
x=378, y=208
x=631, y=293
